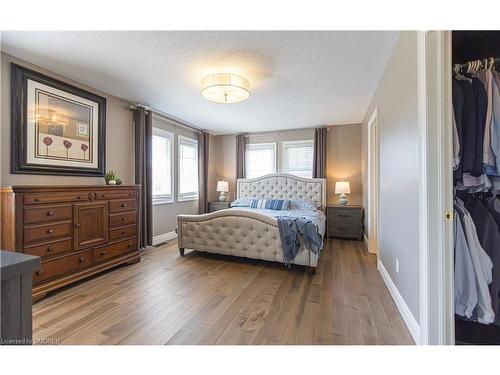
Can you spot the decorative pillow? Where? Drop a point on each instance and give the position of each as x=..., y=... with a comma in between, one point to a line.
x=301, y=204
x=271, y=204
x=242, y=202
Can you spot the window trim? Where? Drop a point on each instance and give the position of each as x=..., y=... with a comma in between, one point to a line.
x=166, y=199
x=284, y=155
x=257, y=146
x=191, y=196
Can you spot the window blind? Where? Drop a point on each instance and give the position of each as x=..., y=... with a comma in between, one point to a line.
x=260, y=159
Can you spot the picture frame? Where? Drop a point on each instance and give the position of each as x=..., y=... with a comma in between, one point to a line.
x=56, y=128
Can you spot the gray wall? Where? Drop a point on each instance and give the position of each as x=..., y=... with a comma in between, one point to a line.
x=165, y=215
x=119, y=135
x=396, y=100
x=343, y=157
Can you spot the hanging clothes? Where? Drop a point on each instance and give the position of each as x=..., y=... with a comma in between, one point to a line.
x=465, y=288
x=495, y=129
x=458, y=108
x=468, y=126
x=481, y=109
x=493, y=206
x=489, y=237
x=483, y=267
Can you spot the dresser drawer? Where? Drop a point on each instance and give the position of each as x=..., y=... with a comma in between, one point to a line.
x=47, y=231
x=121, y=219
x=115, y=194
x=55, y=198
x=61, y=266
x=123, y=232
x=36, y=214
x=122, y=205
x=110, y=251
x=50, y=248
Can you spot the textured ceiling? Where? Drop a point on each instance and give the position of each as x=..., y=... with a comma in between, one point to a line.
x=298, y=78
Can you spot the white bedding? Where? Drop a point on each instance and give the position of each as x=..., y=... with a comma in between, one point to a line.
x=316, y=216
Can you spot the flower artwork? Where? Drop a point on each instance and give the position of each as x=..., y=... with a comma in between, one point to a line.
x=84, y=148
x=63, y=131
x=47, y=141
x=67, y=145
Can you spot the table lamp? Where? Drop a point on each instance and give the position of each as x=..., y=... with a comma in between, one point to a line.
x=223, y=188
x=342, y=188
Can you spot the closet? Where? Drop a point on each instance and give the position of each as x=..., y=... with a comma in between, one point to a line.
x=476, y=176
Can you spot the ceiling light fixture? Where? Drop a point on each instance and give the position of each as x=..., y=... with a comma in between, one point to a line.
x=225, y=88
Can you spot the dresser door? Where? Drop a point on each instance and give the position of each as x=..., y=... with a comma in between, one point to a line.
x=91, y=224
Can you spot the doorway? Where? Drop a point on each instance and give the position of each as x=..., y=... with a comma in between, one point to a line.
x=373, y=182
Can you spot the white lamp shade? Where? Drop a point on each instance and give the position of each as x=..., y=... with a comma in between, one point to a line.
x=342, y=187
x=225, y=88
x=222, y=186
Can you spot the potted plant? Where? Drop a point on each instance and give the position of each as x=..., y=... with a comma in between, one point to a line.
x=110, y=178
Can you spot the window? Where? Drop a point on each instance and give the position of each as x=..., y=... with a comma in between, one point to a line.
x=298, y=158
x=260, y=159
x=162, y=166
x=188, y=169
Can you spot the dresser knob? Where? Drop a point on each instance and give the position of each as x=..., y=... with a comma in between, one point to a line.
x=123, y=232
x=81, y=259
x=77, y=225
x=37, y=200
x=39, y=272
x=124, y=205
x=103, y=253
x=50, y=213
x=50, y=249
x=124, y=218
x=78, y=197
x=50, y=231
x=129, y=245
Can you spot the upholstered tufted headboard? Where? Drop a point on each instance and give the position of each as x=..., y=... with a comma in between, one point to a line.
x=283, y=186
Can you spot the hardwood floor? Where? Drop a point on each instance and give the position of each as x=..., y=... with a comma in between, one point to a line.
x=210, y=299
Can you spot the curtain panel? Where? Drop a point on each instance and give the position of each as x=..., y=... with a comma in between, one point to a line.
x=203, y=149
x=319, y=158
x=143, y=123
x=241, y=143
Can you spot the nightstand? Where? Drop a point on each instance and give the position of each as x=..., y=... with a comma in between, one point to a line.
x=218, y=205
x=344, y=221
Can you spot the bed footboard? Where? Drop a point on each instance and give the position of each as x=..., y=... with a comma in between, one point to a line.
x=238, y=233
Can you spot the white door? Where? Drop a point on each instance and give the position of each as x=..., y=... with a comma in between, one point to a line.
x=373, y=182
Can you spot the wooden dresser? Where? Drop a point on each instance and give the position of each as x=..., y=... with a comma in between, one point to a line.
x=78, y=231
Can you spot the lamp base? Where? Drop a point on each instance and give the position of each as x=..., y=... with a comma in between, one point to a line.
x=343, y=199
x=222, y=196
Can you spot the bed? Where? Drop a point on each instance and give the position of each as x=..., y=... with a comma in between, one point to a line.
x=254, y=233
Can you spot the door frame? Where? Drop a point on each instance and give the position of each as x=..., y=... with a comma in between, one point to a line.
x=435, y=187
x=373, y=181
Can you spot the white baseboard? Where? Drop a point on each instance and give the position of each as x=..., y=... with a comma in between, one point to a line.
x=403, y=308
x=164, y=238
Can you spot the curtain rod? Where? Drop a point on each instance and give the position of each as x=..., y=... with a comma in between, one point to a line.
x=165, y=116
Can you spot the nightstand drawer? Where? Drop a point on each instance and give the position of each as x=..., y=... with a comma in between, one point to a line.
x=345, y=232
x=217, y=206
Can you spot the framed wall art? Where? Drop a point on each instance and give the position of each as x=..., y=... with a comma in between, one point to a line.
x=57, y=128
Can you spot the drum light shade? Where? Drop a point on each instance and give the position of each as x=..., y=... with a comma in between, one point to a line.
x=225, y=88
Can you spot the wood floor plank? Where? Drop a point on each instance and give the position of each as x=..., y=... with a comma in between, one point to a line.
x=212, y=299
